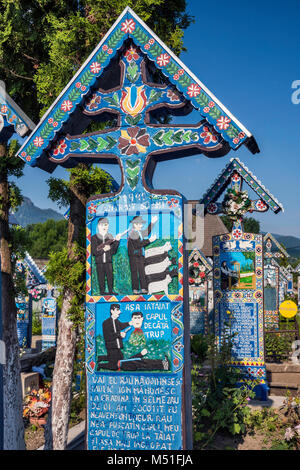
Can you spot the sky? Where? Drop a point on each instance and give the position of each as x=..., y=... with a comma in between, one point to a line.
x=247, y=54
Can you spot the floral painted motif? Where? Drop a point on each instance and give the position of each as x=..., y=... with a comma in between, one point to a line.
x=60, y=148
x=38, y=141
x=193, y=90
x=4, y=109
x=133, y=141
x=172, y=95
x=95, y=67
x=66, y=105
x=92, y=208
x=93, y=102
x=173, y=202
x=208, y=136
x=223, y=122
x=131, y=54
x=163, y=60
x=128, y=26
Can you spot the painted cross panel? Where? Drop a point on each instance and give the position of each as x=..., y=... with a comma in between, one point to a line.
x=238, y=294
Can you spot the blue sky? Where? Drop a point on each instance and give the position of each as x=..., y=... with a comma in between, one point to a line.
x=247, y=53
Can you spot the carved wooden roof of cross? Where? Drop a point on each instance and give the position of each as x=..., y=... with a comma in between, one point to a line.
x=12, y=119
x=133, y=80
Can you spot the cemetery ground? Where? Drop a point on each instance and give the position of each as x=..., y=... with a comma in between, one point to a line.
x=224, y=417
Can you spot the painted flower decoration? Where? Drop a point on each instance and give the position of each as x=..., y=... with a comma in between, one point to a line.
x=38, y=141
x=223, y=122
x=66, y=105
x=237, y=233
x=208, y=136
x=172, y=95
x=128, y=26
x=95, y=67
x=4, y=109
x=92, y=208
x=94, y=101
x=178, y=346
x=212, y=208
x=60, y=148
x=173, y=202
x=133, y=140
x=261, y=205
x=193, y=90
x=163, y=60
x=131, y=54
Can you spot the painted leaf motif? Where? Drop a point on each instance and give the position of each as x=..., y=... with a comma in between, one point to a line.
x=113, y=100
x=132, y=72
x=84, y=145
x=133, y=164
x=133, y=172
x=132, y=182
x=133, y=120
x=154, y=96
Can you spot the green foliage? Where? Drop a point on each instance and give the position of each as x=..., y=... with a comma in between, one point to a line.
x=36, y=324
x=220, y=395
x=37, y=62
x=61, y=263
x=199, y=348
x=250, y=224
x=43, y=238
x=278, y=346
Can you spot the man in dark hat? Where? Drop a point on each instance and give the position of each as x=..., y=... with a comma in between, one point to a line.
x=113, y=338
x=136, y=251
x=104, y=246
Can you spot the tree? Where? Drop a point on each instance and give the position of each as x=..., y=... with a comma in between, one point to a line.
x=10, y=198
x=54, y=37
x=250, y=224
x=43, y=238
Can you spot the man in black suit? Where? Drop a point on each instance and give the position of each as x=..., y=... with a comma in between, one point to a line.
x=113, y=338
x=136, y=245
x=104, y=246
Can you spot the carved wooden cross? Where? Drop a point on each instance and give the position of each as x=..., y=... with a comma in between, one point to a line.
x=137, y=139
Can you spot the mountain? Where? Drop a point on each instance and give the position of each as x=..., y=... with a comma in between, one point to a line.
x=291, y=243
x=28, y=213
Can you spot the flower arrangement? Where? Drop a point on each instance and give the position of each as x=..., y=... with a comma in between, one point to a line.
x=236, y=203
x=196, y=273
x=37, y=403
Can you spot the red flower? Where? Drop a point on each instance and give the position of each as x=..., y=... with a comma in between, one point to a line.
x=196, y=264
x=131, y=54
x=175, y=361
x=175, y=330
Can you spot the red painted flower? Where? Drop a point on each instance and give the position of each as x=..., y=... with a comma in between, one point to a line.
x=196, y=264
x=208, y=136
x=202, y=274
x=191, y=280
x=4, y=109
x=94, y=101
x=128, y=26
x=175, y=330
x=66, y=105
x=95, y=67
x=60, y=148
x=38, y=141
x=206, y=109
x=223, y=122
x=134, y=140
x=193, y=90
x=163, y=60
x=92, y=208
x=131, y=54
x=175, y=361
